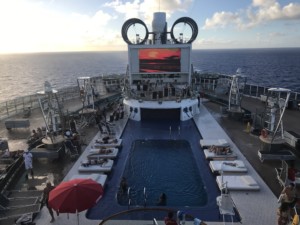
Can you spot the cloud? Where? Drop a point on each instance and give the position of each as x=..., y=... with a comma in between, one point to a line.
x=259, y=12
x=222, y=19
x=145, y=9
x=28, y=27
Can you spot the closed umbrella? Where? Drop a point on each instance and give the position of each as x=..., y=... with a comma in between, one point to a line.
x=75, y=195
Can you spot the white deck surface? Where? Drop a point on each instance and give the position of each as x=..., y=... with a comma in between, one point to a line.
x=257, y=207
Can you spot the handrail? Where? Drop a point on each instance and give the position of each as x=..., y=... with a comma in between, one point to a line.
x=145, y=197
x=21, y=104
x=135, y=210
x=10, y=173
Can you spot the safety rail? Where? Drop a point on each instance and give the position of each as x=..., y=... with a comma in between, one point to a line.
x=23, y=104
x=155, y=221
x=10, y=173
x=209, y=83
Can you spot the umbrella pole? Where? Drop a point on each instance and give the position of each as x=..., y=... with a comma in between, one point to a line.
x=77, y=218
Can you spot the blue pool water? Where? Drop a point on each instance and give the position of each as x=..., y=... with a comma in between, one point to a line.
x=163, y=166
x=204, y=207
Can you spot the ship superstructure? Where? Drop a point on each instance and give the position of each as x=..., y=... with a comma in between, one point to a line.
x=158, y=81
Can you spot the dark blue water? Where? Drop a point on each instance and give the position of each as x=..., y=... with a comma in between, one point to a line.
x=164, y=166
x=264, y=67
x=24, y=74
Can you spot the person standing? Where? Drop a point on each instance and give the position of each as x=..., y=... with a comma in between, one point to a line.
x=292, y=172
x=124, y=185
x=162, y=199
x=283, y=214
x=49, y=187
x=28, y=163
x=73, y=126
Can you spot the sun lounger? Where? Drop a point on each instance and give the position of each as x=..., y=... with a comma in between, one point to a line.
x=237, y=182
x=206, y=143
x=276, y=155
x=112, y=143
x=99, y=178
x=90, y=166
x=236, y=166
x=109, y=153
x=209, y=155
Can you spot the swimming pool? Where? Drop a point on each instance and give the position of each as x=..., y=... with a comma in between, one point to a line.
x=163, y=166
x=150, y=130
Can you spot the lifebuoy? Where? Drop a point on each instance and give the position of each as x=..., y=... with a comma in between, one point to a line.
x=264, y=133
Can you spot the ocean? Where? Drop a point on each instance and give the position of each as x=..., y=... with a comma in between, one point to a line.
x=25, y=74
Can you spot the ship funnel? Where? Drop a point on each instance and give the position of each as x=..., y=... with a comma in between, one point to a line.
x=159, y=28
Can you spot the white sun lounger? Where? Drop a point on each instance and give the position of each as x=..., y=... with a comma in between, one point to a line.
x=206, y=143
x=104, y=167
x=109, y=153
x=114, y=143
x=236, y=166
x=237, y=182
x=209, y=155
x=99, y=178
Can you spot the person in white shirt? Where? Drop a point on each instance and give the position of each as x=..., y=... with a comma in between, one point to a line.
x=28, y=163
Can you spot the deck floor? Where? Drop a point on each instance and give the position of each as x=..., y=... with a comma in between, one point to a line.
x=211, y=123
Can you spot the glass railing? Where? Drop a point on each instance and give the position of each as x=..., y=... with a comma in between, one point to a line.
x=21, y=105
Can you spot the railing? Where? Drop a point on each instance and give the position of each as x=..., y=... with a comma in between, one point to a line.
x=209, y=82
x=22, y=104
x=155, y=221
x=10, y=173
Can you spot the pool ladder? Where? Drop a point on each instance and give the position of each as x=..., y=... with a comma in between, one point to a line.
x=129, y=198
x=145, y=197
x=170, y=132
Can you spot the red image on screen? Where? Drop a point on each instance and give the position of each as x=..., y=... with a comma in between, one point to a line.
x=159, y=60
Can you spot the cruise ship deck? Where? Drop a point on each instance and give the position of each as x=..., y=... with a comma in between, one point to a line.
x=258, y=207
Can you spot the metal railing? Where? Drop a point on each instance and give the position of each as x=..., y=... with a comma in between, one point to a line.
x=20, y=105
x=211, y=82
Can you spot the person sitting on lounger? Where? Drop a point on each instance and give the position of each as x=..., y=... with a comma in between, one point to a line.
x=104, y=151
x=219, y=150
x=102, y=161
x=230, y=164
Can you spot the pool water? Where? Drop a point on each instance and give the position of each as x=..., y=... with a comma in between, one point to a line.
x=168, y=150
x=163, y=166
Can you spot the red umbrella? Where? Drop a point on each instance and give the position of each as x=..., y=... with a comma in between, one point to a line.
x=75, y=195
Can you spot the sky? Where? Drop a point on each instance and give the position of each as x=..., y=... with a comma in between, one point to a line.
x=95, y=25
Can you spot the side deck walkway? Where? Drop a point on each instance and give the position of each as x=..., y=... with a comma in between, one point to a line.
x=257, y=207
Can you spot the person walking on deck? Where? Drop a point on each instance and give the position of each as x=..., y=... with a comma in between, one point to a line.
x=49, y=187
x=28, y=163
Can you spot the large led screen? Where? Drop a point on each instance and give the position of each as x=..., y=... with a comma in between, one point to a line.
x=159, y=60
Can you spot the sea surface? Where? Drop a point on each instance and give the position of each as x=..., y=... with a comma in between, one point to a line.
x=25, y=74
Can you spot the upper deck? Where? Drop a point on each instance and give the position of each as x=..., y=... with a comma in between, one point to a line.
x=160, y=60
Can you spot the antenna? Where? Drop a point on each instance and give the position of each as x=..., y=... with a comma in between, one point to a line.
x=158, y=5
